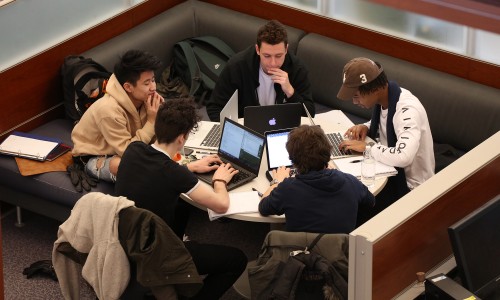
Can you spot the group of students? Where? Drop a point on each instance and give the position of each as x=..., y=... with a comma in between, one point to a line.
x=131, y=136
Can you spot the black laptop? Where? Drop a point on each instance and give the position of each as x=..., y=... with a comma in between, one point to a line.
x=243, y=148
x=273, y=117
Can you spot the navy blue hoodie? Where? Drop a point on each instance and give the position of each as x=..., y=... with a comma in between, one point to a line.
x=323, y=201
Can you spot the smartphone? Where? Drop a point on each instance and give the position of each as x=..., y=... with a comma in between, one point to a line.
x=187, y=151
x=58, y=151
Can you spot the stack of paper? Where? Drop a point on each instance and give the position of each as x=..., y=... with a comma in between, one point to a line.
x=239, y=203
x=28, y=146
x=352, y=165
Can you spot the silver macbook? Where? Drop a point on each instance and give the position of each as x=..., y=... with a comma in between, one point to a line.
x=243, y=148
x=335, y=138
x=273, y=117
x=207, y=137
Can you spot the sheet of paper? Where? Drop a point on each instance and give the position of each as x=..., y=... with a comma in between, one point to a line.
x=240, y=202
x=352, y=165
x=335, y=116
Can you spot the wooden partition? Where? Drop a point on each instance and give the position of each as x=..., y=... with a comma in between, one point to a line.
x=411, y=235
x=32, y=90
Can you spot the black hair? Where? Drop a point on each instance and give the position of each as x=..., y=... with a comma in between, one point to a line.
x=133, y=63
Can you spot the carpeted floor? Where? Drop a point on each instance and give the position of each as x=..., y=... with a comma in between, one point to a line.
x=24, y=245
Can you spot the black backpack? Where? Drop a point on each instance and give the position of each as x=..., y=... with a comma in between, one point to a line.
x=84, y=81
x=283, y=273
x=196, y=66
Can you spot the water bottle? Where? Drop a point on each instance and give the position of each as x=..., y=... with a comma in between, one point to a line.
x=368, y=168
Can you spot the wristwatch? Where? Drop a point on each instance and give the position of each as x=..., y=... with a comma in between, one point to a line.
x=274, y=181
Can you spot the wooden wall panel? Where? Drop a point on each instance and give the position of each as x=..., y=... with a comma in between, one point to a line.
x=393, y=262
x=461, y=66
x=34, y=86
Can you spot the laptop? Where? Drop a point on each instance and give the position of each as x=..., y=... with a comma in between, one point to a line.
x=273, y=117
x=335, y=138
x=207, y=136
x=243, y=148
x=277, y=155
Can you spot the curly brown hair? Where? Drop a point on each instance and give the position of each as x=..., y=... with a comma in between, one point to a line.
x=174, y=117
x=272, y=33
x=308, y=148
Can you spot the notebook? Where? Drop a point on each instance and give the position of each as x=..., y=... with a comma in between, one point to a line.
x=243, y=148
x=273, y=117
x=335, y=138
x=277, y=155
x=207, y=137
x=28, y=145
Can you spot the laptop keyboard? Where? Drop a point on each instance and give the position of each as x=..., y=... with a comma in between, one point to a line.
x=239, y=177
x=335, y=139
x=213, y=137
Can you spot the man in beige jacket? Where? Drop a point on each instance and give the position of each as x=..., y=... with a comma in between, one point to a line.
x=126, y=113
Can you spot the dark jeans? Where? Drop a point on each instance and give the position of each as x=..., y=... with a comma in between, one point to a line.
x=222, y=266
x=181, y=217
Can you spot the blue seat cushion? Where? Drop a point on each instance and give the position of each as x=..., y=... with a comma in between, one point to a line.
x=51, y=186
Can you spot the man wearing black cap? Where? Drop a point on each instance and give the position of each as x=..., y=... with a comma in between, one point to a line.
x=399, y=124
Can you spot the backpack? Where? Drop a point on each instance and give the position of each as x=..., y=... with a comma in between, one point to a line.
x=287, y=270
x=196, y=65
x=84, y=81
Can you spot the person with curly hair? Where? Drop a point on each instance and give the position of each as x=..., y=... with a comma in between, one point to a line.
x=318, y=199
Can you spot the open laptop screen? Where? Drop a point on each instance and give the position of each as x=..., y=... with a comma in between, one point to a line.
x=241, y=146
x=277, y=155
x=230, y=110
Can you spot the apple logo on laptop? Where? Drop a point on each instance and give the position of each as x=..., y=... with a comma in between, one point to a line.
x=272, y=122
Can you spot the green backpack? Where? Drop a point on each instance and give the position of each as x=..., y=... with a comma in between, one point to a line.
x=198, y=62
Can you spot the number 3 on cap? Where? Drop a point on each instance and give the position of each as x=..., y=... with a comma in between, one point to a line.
x=363, y=78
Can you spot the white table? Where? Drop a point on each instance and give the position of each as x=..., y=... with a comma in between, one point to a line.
x=331, y=121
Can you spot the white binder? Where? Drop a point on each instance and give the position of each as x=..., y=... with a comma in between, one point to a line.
x=28, y=146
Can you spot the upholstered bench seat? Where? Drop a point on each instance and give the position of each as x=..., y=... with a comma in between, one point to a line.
x=50, y=194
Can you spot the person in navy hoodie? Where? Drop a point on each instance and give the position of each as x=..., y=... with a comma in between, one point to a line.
x=318, y=199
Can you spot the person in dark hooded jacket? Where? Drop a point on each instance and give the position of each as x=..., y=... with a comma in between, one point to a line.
x=264, y=74
x=318, y=199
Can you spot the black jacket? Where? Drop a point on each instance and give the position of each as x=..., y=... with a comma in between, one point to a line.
x=242, y=73
x=160, y=256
